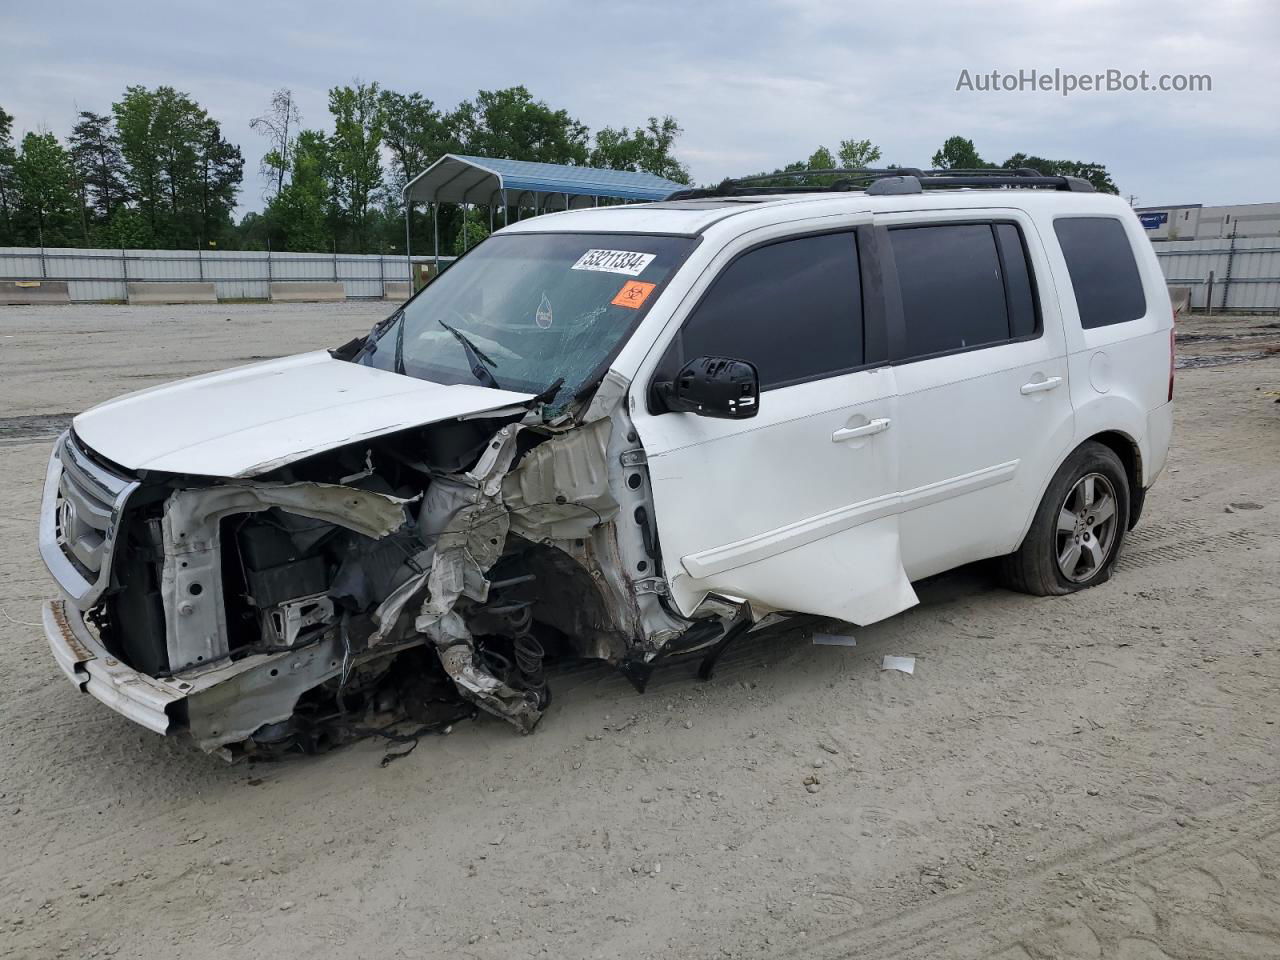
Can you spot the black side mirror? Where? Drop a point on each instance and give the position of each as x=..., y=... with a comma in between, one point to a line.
x=713, y=387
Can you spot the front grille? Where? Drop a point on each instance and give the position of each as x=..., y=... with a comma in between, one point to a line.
x=80, y=517
x=83, y=514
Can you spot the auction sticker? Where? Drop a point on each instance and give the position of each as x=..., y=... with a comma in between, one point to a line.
x=633, y=294
x=615, y=261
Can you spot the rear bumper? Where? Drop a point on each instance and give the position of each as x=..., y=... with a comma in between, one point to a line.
x=149, y=701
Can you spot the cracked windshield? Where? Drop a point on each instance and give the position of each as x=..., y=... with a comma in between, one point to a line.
x=525, y=311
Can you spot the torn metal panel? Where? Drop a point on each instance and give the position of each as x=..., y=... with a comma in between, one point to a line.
x=465, y=525
x=560, y=489
x=191, y=578
x=870, y=589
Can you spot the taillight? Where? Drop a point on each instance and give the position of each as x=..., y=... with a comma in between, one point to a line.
x=1172, y=358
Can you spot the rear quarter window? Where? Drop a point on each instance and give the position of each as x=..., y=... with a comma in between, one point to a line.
x=1104, y=273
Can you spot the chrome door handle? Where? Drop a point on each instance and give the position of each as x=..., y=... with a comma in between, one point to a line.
x=866, y=430
x=1040, y=386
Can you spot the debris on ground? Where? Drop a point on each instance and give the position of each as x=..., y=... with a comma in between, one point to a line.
x=901, y=664
x=834, y=640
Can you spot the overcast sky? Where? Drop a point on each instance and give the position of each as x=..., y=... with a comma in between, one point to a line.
x=754, y=84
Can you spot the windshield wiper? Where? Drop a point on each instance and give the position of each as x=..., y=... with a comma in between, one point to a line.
x=399, y=361
x=476, y=358
x=361, y=347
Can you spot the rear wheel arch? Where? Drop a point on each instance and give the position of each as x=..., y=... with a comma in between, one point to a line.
x=1124, y=447
x=1034, y=567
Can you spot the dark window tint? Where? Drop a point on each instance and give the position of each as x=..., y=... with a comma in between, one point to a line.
x=1103, y=272
x=1017, y=281
x=952, y=290
x=794, y=309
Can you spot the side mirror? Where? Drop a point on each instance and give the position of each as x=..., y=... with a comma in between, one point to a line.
x=713, y=387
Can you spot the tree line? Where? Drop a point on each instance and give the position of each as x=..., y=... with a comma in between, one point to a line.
x=956, y=153
x=156, y=172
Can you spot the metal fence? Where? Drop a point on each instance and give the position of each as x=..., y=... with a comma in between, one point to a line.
x=1232, y=274
x=236, y=275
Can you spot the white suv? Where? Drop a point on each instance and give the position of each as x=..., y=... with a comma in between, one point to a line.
x=621, y=433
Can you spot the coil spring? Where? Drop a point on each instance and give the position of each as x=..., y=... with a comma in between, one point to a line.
x=528, y=652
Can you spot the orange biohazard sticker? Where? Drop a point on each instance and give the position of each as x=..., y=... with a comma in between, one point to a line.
x=633, y=294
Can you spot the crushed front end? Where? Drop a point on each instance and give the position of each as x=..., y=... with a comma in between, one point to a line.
x=436, y=565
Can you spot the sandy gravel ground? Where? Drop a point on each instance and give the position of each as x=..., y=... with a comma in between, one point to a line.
x=1081, y=777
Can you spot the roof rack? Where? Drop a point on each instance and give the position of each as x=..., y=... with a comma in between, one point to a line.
x=888, y=181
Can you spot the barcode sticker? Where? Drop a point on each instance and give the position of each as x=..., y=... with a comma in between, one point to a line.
x=615, y=261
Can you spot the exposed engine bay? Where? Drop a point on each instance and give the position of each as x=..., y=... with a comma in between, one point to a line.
x=404, y=576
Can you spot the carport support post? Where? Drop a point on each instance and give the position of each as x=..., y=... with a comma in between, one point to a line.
x=464, y=228
x=408, y=253
x=435, y=232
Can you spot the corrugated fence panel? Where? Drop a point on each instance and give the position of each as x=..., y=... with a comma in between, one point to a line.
x=236, y=274
x=1245, y=272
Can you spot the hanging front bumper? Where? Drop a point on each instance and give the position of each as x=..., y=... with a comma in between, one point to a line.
x=150, y=701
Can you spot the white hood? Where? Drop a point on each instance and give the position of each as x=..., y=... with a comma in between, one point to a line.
x=251, y=419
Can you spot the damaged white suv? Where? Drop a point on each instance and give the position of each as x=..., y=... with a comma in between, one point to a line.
x=620, y=433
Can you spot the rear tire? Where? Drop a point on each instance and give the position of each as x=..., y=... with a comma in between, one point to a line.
x=1078, y=527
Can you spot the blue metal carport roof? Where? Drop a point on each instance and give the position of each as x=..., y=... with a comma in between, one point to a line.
x=456, y=178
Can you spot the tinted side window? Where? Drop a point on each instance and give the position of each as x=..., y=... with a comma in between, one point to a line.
x=1103, y=272
x=793, y=308
x=1023, y=320
x=952, y=290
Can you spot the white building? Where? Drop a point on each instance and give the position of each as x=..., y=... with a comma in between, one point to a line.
x=1192, y=221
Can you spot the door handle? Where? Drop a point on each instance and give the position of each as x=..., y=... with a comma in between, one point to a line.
x=1040, y=386
x=866, y=430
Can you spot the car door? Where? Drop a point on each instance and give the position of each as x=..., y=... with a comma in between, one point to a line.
x=980, y=360
x=793, y=509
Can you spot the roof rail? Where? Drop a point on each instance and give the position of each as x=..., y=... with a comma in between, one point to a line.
x=887, y=180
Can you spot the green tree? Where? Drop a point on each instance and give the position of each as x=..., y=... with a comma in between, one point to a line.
x=182, y=172
x=646, y=149
x=218, y=177
x=279, y=125
x=1095, y=173
x=477, y=230
x=46, y=198
x=511, y=123
x=126, y=228
x=298, y=218
x=852, y=153
x=99, y=166
x=416, y=133
x=957, y=153
x=355, y=152
x=858, y=153
x=135, y=120
x=8, y=180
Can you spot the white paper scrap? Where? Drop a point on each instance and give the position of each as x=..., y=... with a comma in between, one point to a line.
x=901, y=664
